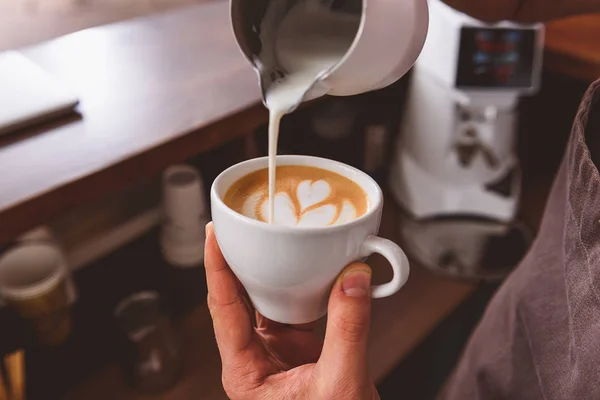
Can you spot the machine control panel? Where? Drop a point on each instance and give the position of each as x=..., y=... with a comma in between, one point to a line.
x=497, y=58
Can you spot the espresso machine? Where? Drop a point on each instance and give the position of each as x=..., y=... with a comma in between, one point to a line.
x=455, y=172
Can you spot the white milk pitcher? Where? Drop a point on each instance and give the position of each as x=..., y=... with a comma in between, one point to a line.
x=360, y=45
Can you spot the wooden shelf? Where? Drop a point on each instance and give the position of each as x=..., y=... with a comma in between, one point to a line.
x=399, y=324
x=573, y=48
x=153, y=91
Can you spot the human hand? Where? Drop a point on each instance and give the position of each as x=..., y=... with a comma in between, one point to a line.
x=524, y=10
x=277, y=361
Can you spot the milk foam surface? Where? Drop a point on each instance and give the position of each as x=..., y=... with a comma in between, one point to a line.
x=305, y=196
x=310, y=40
x=313, y=208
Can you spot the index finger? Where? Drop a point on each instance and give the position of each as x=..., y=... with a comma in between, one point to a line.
x=231, y=318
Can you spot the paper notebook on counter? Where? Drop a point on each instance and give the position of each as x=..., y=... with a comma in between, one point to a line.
x=28, y=94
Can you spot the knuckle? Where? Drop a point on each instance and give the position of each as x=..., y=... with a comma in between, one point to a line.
x=347, y=389
x=230, y=388
x=209, y=304
x=351, y=329
x=241, y=382
x=214, y=306
x=234, y=391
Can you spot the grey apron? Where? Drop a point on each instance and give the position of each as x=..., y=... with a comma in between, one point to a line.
x=540, y=335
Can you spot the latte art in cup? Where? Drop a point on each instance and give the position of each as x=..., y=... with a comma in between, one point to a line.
x=304, y=196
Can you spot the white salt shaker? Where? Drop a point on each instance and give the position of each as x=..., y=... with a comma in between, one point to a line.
x=185, y=216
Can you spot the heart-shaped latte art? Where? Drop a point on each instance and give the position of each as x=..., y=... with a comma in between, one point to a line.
x=320, y=216
x=249, y=206
x=347, y=213
x=311, y=193
x=312, y=200
x=285, y=212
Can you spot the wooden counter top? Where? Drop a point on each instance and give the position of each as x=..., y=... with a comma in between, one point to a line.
x=176, y=81
x=398, y=325
x=573, y=47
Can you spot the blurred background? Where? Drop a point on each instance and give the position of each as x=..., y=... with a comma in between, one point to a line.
x=155, y=100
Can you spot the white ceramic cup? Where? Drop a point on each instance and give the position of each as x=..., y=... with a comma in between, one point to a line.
x=288, y=271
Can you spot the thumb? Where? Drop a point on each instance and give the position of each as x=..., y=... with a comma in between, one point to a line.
x=345, y=345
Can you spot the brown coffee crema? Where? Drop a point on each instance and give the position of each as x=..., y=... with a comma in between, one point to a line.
x=288, y=178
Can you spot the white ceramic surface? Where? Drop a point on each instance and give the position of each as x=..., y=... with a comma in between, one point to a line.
x=389, y=41
x=288, y=271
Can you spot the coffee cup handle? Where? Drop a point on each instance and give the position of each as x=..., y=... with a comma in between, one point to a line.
x=395, y=256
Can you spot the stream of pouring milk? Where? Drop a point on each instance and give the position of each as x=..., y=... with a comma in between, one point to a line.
x=311, y=39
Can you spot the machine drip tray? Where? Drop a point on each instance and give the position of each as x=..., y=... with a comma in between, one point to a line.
x=465, y=248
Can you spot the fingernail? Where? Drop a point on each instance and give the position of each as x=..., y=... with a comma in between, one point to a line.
x=356, y=283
